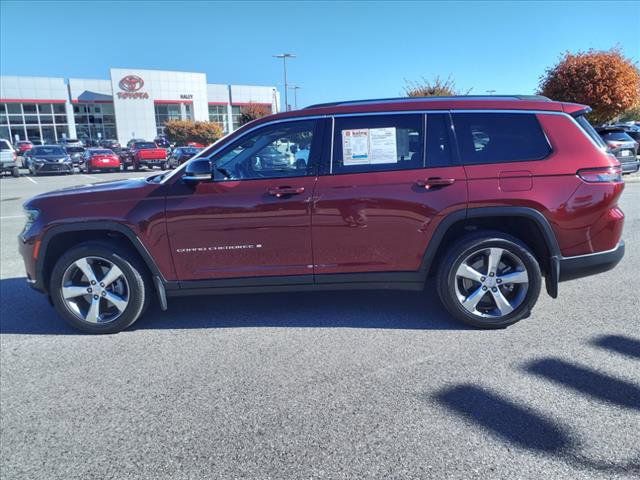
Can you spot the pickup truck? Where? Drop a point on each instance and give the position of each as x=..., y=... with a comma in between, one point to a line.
x=145, y=154
x=8, y=157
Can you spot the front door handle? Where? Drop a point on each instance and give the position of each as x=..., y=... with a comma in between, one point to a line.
x=434, y=182
x=280, y=192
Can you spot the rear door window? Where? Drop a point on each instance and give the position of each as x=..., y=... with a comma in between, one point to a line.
x=499, y=137
x=378, y=143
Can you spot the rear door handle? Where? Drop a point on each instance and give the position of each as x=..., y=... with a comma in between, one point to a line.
x=433, y=182
x=280, y=192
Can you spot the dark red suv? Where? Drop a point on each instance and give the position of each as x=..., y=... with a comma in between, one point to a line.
x=489, y=195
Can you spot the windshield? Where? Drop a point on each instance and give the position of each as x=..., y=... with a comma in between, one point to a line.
x=619, y=136
x=47, y=151
x=190, y=150
x=75, y=149
x=101, y=152
x=145, y=145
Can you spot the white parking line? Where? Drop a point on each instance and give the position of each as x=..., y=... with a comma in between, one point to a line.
x=11, y=216
x=31, y=180
x=89, y=176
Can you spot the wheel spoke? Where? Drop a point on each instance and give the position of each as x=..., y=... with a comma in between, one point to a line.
x=112, y=275
x=502, y=303
x=495, y=254
x=118, y=302
x=93, y=314
x=515, y=277
x=73, y=291
x=472, y=300
x=84, y=266
x=465, y=271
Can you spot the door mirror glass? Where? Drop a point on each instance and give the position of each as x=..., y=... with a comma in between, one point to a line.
x=198, y=171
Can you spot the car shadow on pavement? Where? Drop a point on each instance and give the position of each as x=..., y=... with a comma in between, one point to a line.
x=521, y=425
x=621, y=344
x=27, y=312
x=589, y=382
x=509, y=421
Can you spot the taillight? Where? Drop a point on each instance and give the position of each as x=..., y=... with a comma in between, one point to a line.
x=600, y=175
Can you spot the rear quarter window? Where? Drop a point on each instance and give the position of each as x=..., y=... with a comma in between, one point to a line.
x=500, y=137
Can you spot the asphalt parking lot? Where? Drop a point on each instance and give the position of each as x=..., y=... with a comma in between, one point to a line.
x=321, y=385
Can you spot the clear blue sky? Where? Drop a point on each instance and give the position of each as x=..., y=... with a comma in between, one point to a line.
x=344, y=49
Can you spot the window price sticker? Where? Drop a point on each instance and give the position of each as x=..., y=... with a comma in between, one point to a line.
x=366, y=146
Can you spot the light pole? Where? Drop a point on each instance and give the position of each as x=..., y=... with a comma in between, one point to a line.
x=295, y=89
x=284, y=57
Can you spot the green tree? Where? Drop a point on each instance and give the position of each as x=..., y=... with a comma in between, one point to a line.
x=184, y=131
x=607, y=81
x=437, y=87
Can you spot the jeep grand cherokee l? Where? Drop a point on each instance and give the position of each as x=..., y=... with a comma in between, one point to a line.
x=488, y=195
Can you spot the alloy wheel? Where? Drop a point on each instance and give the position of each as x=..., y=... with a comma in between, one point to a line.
x=95, y=290
x=491, y=282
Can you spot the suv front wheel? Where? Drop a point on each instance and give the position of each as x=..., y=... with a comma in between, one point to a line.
x=99, y=288
x=489, y=280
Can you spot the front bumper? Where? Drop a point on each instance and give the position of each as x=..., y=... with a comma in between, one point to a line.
x=590, y=264
x=52, y=167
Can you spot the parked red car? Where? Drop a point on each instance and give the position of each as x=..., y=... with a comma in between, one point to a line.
x=23, y=146
x=490, y=196
x=99, y=160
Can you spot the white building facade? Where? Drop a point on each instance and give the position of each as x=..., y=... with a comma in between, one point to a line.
x=133, y=103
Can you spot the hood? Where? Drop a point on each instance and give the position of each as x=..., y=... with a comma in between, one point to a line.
x=113, y=188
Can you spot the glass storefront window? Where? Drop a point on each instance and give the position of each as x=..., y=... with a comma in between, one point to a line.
x=29, y=108
x=44, y=109
x=19, y=131
x=218, y=114
x=59, y=108
x=236, y=114
x=31, y=119
x=3, y=108
x=61, y=132
x=33, y=133
x=14, y=108
x=48, y=135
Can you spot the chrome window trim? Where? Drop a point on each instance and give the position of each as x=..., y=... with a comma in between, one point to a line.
x=374, y=113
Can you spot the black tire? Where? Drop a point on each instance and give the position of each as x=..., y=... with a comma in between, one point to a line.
x=133, y=270
x=15, y=172
x=448, y=287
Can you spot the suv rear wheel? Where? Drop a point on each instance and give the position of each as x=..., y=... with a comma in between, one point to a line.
x=98, y=288
x=489, y=280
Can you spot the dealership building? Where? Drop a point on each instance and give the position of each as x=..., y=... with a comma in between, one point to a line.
x=133, y=103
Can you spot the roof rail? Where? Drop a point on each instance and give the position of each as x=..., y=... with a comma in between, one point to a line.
x=422, y=99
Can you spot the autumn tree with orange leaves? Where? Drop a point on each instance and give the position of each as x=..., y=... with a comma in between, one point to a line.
x=607, y=81
x=253, y=111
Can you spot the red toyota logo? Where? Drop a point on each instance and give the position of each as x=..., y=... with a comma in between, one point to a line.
x=131, y=83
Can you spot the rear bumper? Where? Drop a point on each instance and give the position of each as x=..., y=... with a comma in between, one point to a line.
x=591, y=264
x=630, y=166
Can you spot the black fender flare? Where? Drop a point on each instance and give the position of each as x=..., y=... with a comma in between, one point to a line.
x=538, y=218
x=108, y=225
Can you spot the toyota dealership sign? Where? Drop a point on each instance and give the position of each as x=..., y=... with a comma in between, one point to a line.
x=130, y=86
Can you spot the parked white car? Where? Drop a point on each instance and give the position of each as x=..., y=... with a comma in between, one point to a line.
x=8, y=158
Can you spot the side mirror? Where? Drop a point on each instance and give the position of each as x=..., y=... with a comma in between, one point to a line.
x=198, y=171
